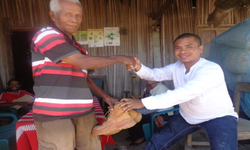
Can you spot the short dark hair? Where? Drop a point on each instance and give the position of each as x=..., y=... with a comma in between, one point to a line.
x=8, y=83
x=187, y=35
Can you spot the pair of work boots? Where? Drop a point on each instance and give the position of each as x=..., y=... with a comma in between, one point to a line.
x=117, y=120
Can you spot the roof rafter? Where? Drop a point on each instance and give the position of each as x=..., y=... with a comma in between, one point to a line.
x=157, y=15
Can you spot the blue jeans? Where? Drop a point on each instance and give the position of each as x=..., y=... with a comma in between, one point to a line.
x=221, y=132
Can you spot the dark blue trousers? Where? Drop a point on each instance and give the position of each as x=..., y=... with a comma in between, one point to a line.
x=221, y=132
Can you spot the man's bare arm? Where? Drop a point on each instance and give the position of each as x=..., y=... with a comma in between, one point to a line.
x=92, y=62
x=94, y=88
x=15, y=103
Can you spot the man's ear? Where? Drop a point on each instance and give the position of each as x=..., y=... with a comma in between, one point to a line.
x=201, y=48
x=52, y=16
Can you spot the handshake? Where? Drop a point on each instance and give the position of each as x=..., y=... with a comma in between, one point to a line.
x=131, y=63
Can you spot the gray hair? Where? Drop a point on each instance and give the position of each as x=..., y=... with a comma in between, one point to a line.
x=55, y=5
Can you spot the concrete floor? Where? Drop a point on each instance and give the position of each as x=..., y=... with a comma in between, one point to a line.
x=123, y=144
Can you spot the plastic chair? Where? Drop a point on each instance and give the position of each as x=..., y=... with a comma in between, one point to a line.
x=8, y=131
x=148, y=128
x=9, y=110
x=4, y=144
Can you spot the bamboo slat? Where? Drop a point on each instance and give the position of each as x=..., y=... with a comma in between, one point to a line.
x=177, y=20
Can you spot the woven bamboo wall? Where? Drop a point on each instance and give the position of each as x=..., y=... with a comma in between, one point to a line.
x=6, y=60
x=130, y=14
x=178, y=20
x=134, y=15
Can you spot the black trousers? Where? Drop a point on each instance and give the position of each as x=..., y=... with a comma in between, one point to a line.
x=136, y=132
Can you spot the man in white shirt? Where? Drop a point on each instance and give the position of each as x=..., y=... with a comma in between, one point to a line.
x=201, y=92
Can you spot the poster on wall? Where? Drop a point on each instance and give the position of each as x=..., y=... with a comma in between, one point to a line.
x=81, y=37
x=111, y=36
x=95, y=37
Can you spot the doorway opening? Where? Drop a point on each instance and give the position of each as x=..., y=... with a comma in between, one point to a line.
x=21, y=41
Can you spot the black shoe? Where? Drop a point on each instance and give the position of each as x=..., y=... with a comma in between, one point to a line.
x=136, y=144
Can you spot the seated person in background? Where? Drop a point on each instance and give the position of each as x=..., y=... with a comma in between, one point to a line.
x=16, y=98
x=136, y=132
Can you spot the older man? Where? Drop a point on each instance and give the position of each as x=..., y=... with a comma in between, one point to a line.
x=201, y=92
x=63, y=108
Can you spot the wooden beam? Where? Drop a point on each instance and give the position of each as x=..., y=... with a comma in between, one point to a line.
x=163, y=9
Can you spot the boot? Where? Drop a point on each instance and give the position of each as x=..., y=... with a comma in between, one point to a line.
x=117, y=120
x=135, y=115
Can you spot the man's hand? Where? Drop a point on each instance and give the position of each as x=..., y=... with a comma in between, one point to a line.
x=131, y=103
x=136, y=66
x=159, y=121
x=110, y=101
x=128, y=61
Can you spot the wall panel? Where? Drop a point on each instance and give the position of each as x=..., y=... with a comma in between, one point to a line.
x=133, y=15
x=177, y=20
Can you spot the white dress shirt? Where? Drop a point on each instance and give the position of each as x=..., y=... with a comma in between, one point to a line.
x=201, y=93
x=158, y=89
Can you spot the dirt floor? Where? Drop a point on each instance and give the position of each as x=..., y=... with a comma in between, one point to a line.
x=123, y=144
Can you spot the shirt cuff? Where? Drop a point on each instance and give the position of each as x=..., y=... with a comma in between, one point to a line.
x=147, y=102
x=140, y=71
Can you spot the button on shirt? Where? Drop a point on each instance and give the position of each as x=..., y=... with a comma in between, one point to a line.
x=201, y=93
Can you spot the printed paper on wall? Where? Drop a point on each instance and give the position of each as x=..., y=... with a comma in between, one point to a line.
x=95, y=38
x=81, y=37
x=111, y=36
